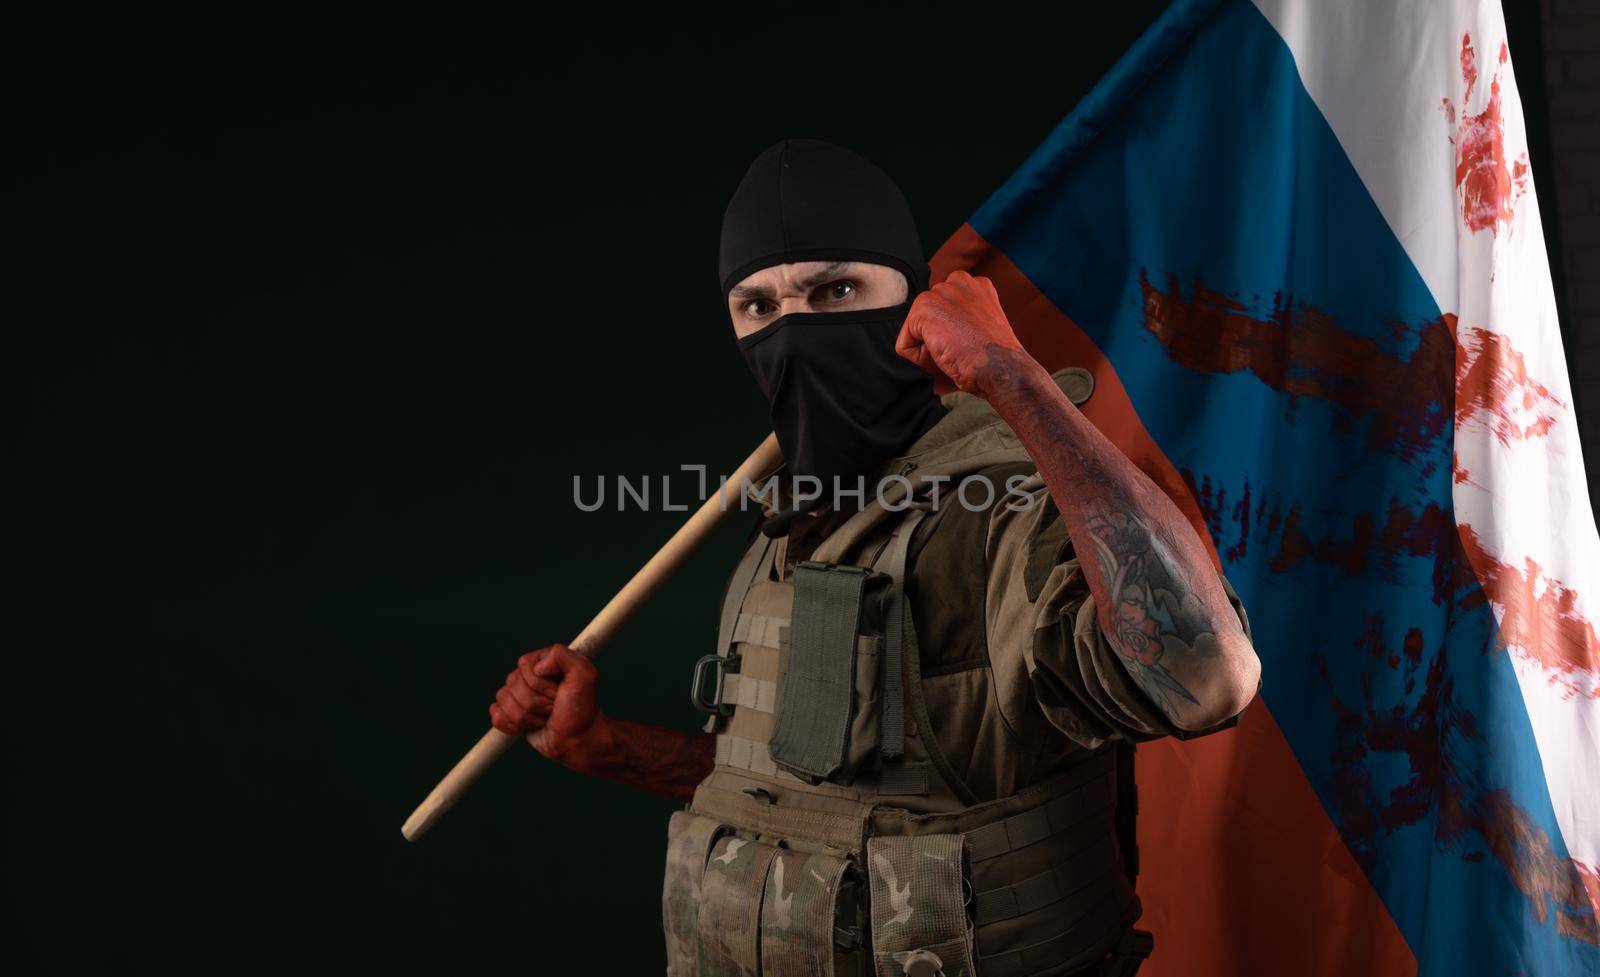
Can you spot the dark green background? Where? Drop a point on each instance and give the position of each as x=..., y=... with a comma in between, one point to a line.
x=321, y=321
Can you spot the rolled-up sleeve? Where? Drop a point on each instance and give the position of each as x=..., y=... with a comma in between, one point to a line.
x=1041, y=614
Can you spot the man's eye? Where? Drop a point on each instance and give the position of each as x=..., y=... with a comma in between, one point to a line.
x=838, y=291
x=758, y=308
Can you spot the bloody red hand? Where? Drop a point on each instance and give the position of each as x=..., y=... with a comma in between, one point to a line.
x=958, y=327
x=551, y=696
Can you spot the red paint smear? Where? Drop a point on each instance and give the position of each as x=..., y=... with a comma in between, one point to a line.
x=1241, y=515
x=1492, y=385
x=1524, y=850
x=1461, y=475
x=1536, y=614
x=1539, y=618
x=1591, y=882
x=1489, y=189
x=1429, y=729
x=1236, y=521
x=1283, y=892
x=1375, y=544
x=1302, y=351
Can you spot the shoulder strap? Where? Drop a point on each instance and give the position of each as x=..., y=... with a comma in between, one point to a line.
x=903, y=674
x=893, y=563
x=743, y=575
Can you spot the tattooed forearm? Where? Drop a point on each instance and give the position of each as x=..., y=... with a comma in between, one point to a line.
x=652, y=758
x=1158, y=595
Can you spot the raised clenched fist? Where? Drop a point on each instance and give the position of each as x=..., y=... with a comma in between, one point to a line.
x=550, y=697
x=958, y=328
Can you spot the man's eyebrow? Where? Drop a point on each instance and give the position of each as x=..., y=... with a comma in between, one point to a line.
x=825, y=274
x=746, y=292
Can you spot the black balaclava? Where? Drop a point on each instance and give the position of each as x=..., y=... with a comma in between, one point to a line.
x=843, y=401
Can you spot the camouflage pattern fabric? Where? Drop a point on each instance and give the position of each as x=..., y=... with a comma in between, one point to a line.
x=688, y=842
x=797, y=915
x=919, y=902
x=730, y=906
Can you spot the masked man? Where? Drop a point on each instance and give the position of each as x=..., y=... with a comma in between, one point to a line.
x=928, y=673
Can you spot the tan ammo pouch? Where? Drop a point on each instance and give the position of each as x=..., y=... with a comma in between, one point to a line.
x=735, y=905
x=919, y=904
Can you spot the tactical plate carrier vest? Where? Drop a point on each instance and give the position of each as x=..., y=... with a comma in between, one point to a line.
x=833, y=836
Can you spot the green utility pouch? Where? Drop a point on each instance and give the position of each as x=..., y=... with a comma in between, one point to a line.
x=919, y=905
x=816, y=696
x=861, y=743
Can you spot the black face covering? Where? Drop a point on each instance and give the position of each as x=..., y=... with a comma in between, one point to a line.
x=843, y=401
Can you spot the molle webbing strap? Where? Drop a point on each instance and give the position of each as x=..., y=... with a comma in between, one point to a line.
x=816, y=681
x=726, y=796
x=1080, y=945
x=745, y=754
x=1020, y=830
x=892, y=737
x=757, y=629
x=743, y=575
x=1073, y=877
x=750, y=693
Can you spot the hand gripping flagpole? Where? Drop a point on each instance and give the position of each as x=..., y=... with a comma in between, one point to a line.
x=762, y=462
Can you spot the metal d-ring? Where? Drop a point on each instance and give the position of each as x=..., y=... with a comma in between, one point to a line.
x=712, y=704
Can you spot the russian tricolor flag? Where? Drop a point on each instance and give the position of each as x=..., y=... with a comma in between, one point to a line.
x=1298, y=244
